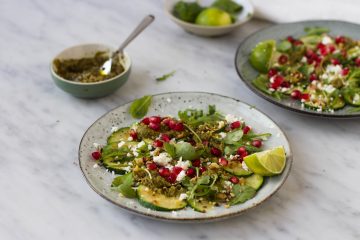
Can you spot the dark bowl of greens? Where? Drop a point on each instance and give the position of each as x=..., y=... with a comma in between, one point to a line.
x=216, y=18
x=310, y=67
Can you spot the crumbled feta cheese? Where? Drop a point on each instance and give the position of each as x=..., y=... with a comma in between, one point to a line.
x=141, y=144
x=130, y=138
x=96, y=145
x=271, y=90
x=114, y=129
x=319, y=109
x=180, y=176
x=335, y=69
x=183, y=164
x=303, y=59
x=163, y=159
x=272, y=79
x=127, y=169
x=227, y=183
x=182, y=196
x=328, y=88
x=95, y=165
x=326, y=40
x=168, y=100
x=231, y=118
x=221, y=124
x=149, y=147
x=120, y=144
x=284, y=89
x=128, y=154
x=222, y=135
x=136, y=154
x=356, y=98
x=244, y=166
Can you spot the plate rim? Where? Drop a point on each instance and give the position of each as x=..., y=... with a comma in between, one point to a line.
x=193, y=219
x=271, y=99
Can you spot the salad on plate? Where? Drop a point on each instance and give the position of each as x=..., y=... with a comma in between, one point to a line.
x=201, y=159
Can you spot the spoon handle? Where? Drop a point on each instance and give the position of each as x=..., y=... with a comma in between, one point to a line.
x=142, y=25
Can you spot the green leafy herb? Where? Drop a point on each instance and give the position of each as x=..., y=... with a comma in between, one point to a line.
x=283, y=46
x=187, y=11
x=124, y=185
x=251, y=136
x=228, y=6
x=186, y=151
x=242, y=194
x=316, y=30
x=140, y=107
x=233, y=137
x=200, y=183
x=170, y=149
x=194, y=117
x=165, y=76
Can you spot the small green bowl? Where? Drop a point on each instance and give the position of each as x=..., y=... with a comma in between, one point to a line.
x=90, y=90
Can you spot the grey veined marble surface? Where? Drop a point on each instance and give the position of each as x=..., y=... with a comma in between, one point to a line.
x=43, y=193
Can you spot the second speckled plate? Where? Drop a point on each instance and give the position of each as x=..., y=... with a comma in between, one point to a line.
x=247, y=73
x=169, y=104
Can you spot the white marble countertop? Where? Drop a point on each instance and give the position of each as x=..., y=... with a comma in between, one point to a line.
x=44, y=195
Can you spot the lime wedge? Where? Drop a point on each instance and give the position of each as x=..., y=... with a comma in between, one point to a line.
x=261, y=55
x=213, y=17
x=267, y=163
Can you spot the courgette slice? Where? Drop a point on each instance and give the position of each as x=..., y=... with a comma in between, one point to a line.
x=235, y=167
x=337, y=103
x=115, y=166
x=158, y=202
x=255, y=181
x=201, y=205
x=352, y=96
x=120, y=135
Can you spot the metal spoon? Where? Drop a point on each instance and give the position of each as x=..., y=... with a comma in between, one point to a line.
x=106, y=67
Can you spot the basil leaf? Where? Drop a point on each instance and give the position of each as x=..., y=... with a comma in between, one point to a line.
x=242, y=194
x=140, y=107
x=233, y=137
x=186, y=151
x=170, y=149
x=187, y=11
x=228, y=6
x=316, y=30
x=123, y=184
x=283, y=46
x=203, y=180
x=165, y=76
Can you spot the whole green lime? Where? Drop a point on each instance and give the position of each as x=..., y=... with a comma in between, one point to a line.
x=213, y=17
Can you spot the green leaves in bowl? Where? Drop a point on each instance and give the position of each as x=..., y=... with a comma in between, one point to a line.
x=140, y=107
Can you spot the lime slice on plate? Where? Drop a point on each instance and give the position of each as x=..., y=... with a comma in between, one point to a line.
x=261, y=55
x=267, y=163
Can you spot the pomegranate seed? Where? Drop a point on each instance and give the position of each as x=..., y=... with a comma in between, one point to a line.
x=241, y=151
x=202, y=169
x=357, y=61
x=151, y=166
x=340, y=39
x=158, y=143
x=155, y=119
x=246, y=129
x=154, y=126
x=345, y=71
x=320, y=46
x=324, y=51
x=223, y=161
x=313, y=77
x=332, y=48
x=335, y=61
x=179, y=127
x=165, y=137
x=190, y=172
x=272, y=72
x=196, y=163
x=298, y=43
x=343, y=53
x=234, y=180
x=291, y=39
x=256, y=143
x=96, y=155
x=305, y=96
x=236, y=124
x=215, y=151
x=172, y=124
x=133, y=134
x=164, y=172
x=176, y=170
x=309, y=53
x=146, y=121
x=171, y=178
x=166, y=121
x=285, y=84
x=283, y=59
x=192, y=142
x=296, y=94
x=310, y=60
x=277, y=81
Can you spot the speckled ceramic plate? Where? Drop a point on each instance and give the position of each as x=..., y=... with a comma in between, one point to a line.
x=100, y=180
x=280, y=31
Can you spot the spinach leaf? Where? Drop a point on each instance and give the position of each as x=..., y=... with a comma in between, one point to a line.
x=228, y=6
x=187, y=11
x=165, y=76
x=242, y=194
x=316, y=30
x=170, y=149
x=283, y=46
x=186, y=151
x=233, y=137
x=261, y=83
x=124, y=184
x=140, y=107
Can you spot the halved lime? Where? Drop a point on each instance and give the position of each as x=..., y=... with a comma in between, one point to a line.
x=261, y=55
x=213, y=17
x=267, y=163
